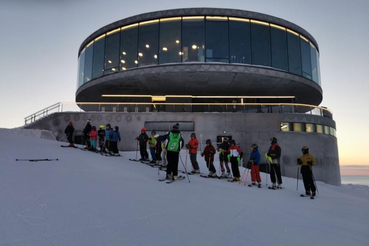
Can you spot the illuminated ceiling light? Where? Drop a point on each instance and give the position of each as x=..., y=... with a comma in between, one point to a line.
x=140, y=54
x=122, y=61
x=100, y=37
x=170, y=19
x=304, y=38
x=279, y=27
x=312, y=45
x=113, y=69
x=216, y=18
x=114, y=31
x=194, y=47
x=239, y=19
x=147, y=46
x=129, y=26
x=260, y=22
x=158, y=98
x=148, y=22
x=89, y=43
x=136, y=61
x=290, y=31
x=165, y=48
x=193, y=17
x=124, y=53
x=155, y=56
x=180, y=53
x=109, y=61
x=177, y=41
x=124, y=68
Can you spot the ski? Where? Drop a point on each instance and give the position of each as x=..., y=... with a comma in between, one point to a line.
x=35, y=160
x=67, y=146
x=208, y=177
x=275, y=188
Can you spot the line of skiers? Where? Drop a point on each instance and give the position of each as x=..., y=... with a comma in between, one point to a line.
x=166, y=148
x=106, y=137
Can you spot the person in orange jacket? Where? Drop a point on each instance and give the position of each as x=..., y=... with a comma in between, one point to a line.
x=192, y=146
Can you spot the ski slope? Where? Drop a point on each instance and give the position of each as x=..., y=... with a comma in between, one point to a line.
x=88, y=199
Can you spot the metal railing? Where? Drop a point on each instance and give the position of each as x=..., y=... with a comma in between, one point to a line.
x=179, y=107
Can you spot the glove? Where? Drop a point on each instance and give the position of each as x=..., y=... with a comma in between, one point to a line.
x=211, y=152
x=220, y=151
x=310, y=163
x=241, y=155
x=136, y=138
x=202, y=154
x=229, y=157
x=299, y=162
x=188, y=146
x=238, y=158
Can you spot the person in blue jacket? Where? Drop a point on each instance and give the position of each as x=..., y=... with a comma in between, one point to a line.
x=114, y=138
x=254, y=162
x=108, y=131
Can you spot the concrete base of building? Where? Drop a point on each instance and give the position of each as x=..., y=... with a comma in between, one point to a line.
x=245, y=128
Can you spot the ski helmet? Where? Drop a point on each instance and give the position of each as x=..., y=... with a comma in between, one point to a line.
x=208, y=141
x=116, y=128
x=254, y=146
x=108, y=125
x=88, y=121
x=193, y=134
x=102, y=127
x=233, y=142
x=143, y=129
x=273, y=140
x=70, y=123
x=176, y=126
x=93, y=127
x=305, y=150
x=153, y=132
x=225, y=139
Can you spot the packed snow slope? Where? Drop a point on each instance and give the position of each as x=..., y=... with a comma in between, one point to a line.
x=88, y=199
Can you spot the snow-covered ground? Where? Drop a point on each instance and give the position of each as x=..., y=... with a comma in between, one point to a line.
x=88, y=199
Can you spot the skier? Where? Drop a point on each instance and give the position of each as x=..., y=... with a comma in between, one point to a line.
x=142, y=139
x=152, y=143
x=108, y=131
x=158, y=147
x=192, y=150
x=209, y=152
x=255, y=163
x=234, y=156
x=306, y=161
x=114, y=138
x=69, y=130
x=101, y=134
x=173, y=147
x=223, y=150
x=86, y=136
x=275, y=170
x=93, y=137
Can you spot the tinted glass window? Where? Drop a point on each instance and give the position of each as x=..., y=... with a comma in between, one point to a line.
x=193, y=38
x=279, y=48
x=310, y=127
x=294, y=55
x=88, y=63
x=297, y=127
x=217, y=41
x=326, y=130
x=81, y=68
x=306, y=60
x=314, y=63
x=170, y=40
x=260, y=43
x=239, y=39
x=148, y=44
x=128, y=47
x=112, y=51
x=98, y=62
x=285, y=127
x=319, y=129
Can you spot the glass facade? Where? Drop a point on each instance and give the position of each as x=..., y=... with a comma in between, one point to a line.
x=199, y=39
x=307, y=127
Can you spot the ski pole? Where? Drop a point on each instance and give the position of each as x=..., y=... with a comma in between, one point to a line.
x=242, y=176
x=297, y=186
x=312, y=175
x=37, y=159
x=185, y=169
x=136, y=149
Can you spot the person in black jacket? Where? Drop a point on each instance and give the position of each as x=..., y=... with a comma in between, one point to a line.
x=69, y=130
x=86, y=134
x=275, y=170
x=142, y=140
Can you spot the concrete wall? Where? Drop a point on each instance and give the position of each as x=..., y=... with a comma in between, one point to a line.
x=246, y=129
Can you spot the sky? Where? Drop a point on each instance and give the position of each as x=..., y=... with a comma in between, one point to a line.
x=40, y=39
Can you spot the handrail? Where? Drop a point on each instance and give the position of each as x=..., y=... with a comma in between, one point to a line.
x=262, y=107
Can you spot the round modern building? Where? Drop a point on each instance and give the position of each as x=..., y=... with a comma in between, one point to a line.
x=200, y=55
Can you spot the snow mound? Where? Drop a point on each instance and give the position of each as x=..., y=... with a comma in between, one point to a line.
x=35, y=133
x=88, y=199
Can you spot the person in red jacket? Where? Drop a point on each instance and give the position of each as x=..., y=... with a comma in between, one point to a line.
x=209, y=152
x=93, y=138
x=235, y=155
x=192, y=146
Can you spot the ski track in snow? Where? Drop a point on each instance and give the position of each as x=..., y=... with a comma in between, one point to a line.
x=89, y=199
